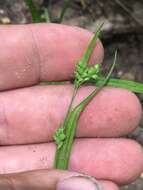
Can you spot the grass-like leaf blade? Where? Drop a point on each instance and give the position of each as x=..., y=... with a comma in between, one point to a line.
x=34, y=12
x=133, y=86
x=91, y=45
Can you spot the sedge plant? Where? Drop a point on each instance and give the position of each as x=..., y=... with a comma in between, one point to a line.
x=64, y=136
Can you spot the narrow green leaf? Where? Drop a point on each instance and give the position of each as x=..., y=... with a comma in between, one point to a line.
x=34, y=12
x=91, y=45
x=64, y=9
x=133, y=86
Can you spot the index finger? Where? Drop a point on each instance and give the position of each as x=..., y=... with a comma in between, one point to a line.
x=38, y=52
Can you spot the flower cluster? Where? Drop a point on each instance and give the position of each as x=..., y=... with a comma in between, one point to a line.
x=59, y=137
x=84, y=73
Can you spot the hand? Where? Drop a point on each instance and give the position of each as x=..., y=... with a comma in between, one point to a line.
x=30, y=114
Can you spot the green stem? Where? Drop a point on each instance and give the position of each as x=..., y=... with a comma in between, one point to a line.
x=70, y=106
x=65, y=126
x=62, y=155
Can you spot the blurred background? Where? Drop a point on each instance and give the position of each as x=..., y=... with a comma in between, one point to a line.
x=123, y=30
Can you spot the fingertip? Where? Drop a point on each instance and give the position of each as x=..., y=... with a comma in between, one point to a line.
x=135, y=151
x=42, y=52
x=62, y=46
x=113, y=108
x=118, y=160
x=108, y=185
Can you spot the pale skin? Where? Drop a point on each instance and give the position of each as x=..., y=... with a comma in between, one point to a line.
x=30, y=113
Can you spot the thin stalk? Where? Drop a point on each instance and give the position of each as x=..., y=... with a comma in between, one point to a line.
x=125, y=8
x=47, y=16
x=70, y=107
x=83, y=3
x=65, y=125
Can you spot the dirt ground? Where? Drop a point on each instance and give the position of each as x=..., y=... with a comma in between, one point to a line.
x=123, y=30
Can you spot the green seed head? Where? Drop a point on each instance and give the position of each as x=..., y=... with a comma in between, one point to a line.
x=59, y=137
x=84, y=73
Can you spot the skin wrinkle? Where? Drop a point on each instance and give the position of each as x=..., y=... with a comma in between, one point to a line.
x=13, y=58
x=28, y=62
x=5, y=122
x=36, y=47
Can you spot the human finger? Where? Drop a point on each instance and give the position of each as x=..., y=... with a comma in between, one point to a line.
x=39, y=52
x=32, y=115
x=53, y=180
x=117, y=160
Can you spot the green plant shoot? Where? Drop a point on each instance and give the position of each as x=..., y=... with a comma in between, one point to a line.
x=64, y=136
x=63, y=151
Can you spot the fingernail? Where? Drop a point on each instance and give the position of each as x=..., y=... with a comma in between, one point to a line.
x=78, y=183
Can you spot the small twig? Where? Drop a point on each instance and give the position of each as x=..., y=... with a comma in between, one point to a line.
x=83, y=4
x=128, y=11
